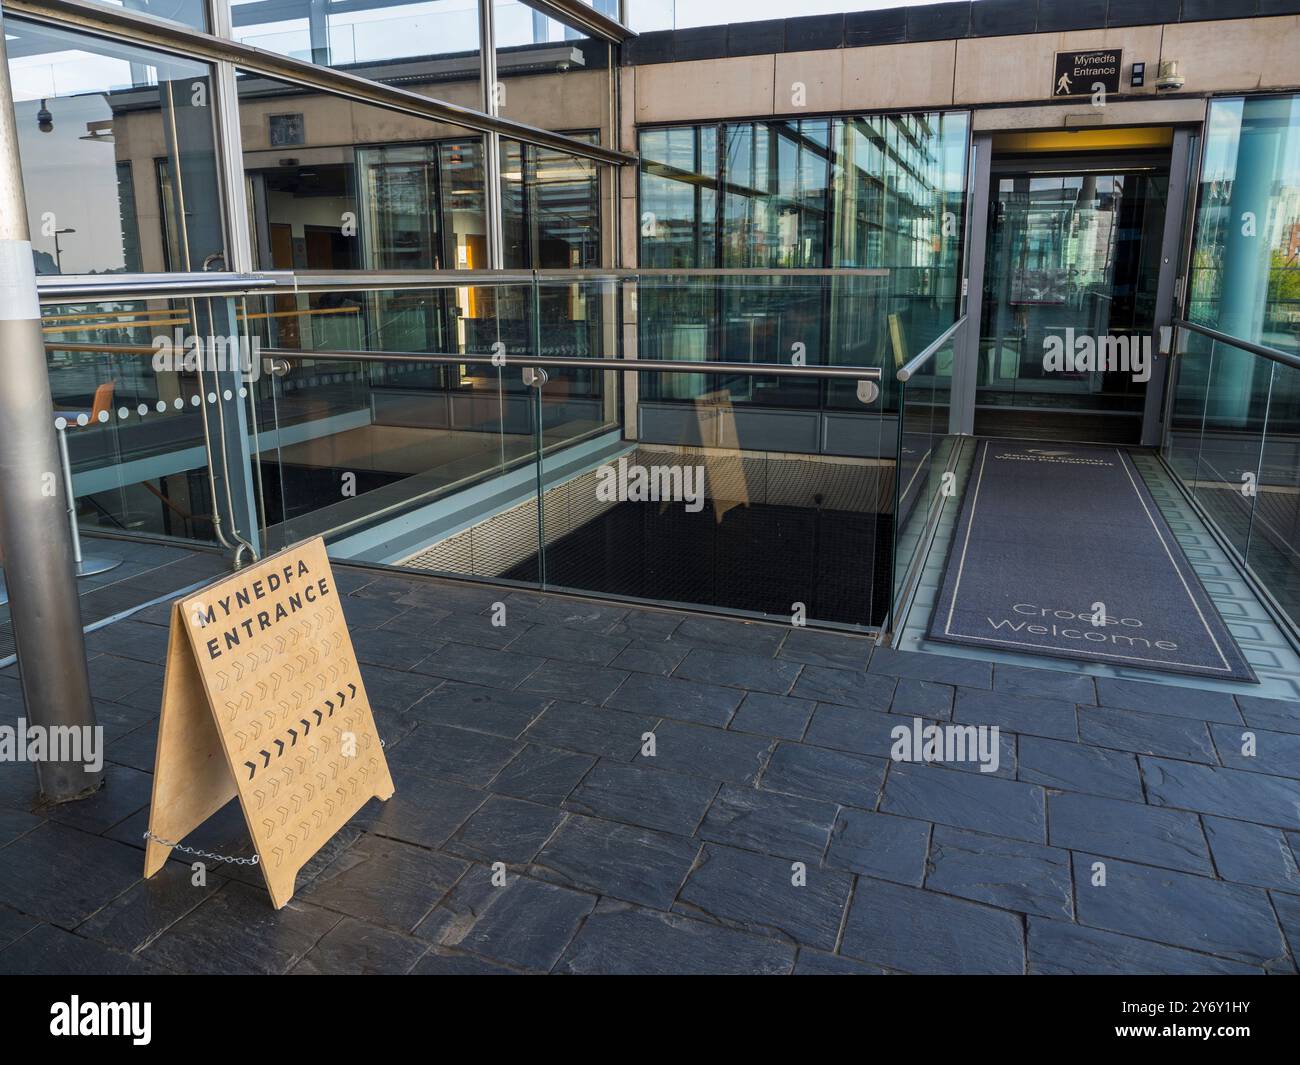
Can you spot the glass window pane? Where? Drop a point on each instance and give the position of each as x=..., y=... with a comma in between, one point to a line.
x=117, y=146
x=429, y=46
x=1245, y=273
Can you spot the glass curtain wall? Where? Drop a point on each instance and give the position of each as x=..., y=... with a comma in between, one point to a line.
x=125, y=173
x=882, y=192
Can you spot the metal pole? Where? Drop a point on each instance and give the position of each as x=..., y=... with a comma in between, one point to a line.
x=37, y=543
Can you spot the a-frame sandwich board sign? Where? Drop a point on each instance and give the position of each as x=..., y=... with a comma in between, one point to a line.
x=263, y=700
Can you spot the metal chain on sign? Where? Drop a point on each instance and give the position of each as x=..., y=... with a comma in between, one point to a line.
x=204, y=854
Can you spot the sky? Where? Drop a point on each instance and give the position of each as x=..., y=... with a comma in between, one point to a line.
x=717, y=12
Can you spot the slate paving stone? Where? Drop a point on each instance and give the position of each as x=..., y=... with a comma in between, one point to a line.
x=1228, y=792
x=817, y=963
x=542, y=775
x=1058, y=948
x=1288, y=915
x=130, y=639
x=1252, y=854
x=652, y=798
x=137, y=917
x=757, y=892
x=657, y=658
x=814, y=648
x=844, y=728
x=15, y=823
x=1007, y=873
x=362, y=613
x=479, y=708
x=1167, y=699
x=569, y=645
x=1279, y=715
x=714, y=753
x=1044, y=683
x=1277, y=753
x=1180, y=909
x=50, y=951
x=456, y=754
x=1171, y=839
x=63, y=875
x=737, y=636
x=525, y=923
x=1023, y=714
x=847, y=779
x=617, y=861
x=622, y=939
x=922, y=698
x=119, y=679
x=237, y=931
x=117, y=719
x=392, y=690
x=423, y=810
x=648, y=625
x=13, y=925
x=480, y=665
x=916, y=931
x=384, y=882
x=862, y=691
x=1156, y=734
x=684, y=700
x=559, y=610
x=977, y=801
x=575, y=682
x=355, y=948
x=1078, y=767
x=591, y=730
x=438, y=595
x=938, y=668
x=392, y=648
x=789, y=826
x=136, y=749
x=441, y=962
x=504, y=830
x=476, y=630
x=879, y=845
x=773, y=715
x=750, y=672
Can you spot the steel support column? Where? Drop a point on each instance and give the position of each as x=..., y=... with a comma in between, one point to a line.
x=34, y=532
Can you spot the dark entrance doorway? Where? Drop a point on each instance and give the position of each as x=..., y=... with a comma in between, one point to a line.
x=1069, y=302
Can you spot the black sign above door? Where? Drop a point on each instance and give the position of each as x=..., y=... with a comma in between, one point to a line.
x=1080, y=73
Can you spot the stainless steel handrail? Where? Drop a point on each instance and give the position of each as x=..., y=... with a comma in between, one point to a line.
x=91, y=288
x=149, y=30
x=909, y=368
x=96, y=288
x=1264, y=352
x=755, y=369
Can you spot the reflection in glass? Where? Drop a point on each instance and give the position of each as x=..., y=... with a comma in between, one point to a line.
x=117, y=146
x=1245, y=271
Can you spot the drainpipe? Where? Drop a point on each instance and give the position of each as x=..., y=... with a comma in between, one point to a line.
x=34, y=532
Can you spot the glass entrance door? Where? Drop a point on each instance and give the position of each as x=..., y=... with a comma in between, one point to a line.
x=1072, y=265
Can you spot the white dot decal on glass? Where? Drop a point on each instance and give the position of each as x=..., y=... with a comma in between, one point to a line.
x=243, y=392
x=212, y=397
x=162, y=405
x=195, y=399
x=180, y=402
x=142, y=410
x=103, y=416
x=123, y=412
x=226, y=394
x=60, y=423
x=82, y=419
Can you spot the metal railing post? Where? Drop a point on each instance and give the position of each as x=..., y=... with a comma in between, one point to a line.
x=34, y=532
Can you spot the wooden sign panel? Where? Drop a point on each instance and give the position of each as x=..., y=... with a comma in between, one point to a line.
x=263, y=700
